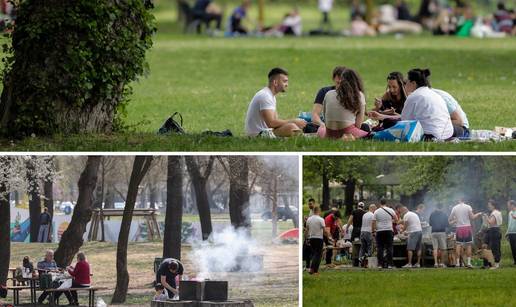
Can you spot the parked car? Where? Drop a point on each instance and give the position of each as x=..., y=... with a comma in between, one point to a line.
x=66, y=207
x=283, y=214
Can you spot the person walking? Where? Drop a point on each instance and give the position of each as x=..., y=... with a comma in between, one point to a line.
x=316, y=232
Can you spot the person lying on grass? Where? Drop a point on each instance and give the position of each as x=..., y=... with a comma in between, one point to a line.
x=423, y=105
x=344, y=108
x=261, y=113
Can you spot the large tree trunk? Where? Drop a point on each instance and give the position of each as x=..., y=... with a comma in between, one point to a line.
x=201, y=198
x=140, y=167
x=349, y=194
x=34, y=205
x=48, y=190
x=239, y=212
x=174, y=213
x=325, y=191
x=5, y=230
x=71, y=241
x=55, y=86
x=275, y=207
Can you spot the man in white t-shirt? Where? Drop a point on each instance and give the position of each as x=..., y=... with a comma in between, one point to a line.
x=412, y=226
x=316, y=231
x=383, y=219
x=366, y=236
x=461, y=216
x=261, y=113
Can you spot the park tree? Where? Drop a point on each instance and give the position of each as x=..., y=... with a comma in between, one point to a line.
x=14, y=176
x=69, y=65
x=33, y=191
x=174, y=211
x=48, y=192
x=200, y=168
x=141, y=166
x=71, y=240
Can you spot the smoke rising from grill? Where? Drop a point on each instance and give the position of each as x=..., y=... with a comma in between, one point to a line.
x=229, y=250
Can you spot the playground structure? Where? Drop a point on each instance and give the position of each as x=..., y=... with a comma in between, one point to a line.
x=98, y=216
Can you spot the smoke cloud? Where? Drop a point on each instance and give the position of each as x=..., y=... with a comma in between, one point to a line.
x=229, y=250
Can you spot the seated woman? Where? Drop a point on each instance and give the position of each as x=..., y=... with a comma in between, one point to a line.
x=423, y=105
x=81, y=279
x=344, y=108
x=457, y=115
x=392, y=101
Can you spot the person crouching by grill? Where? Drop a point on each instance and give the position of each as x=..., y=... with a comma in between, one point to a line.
x=166, y=275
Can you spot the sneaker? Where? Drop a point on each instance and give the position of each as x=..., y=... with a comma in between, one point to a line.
x=407, y=266
x=442, y=265
x=436, y=265
x=469, y=266
x=417, y=265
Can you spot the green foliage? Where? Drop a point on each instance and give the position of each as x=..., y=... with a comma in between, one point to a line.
x=74, y=55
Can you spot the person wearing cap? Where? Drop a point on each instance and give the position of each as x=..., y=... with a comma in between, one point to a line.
x=166, y=275
x=355, y=219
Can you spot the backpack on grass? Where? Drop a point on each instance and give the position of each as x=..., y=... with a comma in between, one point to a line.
x=172, y=126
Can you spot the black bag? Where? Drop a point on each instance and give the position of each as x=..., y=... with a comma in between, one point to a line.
x=310, y=128
x=172, y=126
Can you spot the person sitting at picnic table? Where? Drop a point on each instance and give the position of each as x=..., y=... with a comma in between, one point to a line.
x=46, y=265
x=81, y=279
x=344, y=109
x=423, y=105
x=457, y=115
x=166, y=275
x=392, y=101
x=319, y=98
x=261, y=113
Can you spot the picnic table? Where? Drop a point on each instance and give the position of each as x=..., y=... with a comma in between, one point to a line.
x=91, y=294
x=17, y=288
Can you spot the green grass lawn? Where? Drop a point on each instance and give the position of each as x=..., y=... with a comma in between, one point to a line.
x=211, y=81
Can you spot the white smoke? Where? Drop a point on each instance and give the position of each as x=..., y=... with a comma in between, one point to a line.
x=229, y=250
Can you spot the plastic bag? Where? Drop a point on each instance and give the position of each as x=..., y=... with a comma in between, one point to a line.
x=99, y=302
x=66, y=284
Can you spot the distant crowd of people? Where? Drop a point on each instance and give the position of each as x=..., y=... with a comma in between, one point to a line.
x=378, y=226
x=339, y=110
x=440, y=17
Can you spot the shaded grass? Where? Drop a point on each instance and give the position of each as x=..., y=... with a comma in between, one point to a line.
x=138, y=142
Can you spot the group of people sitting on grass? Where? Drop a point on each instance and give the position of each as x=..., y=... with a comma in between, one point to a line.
x=381, y=226
x=80, y=274
x=339, y=110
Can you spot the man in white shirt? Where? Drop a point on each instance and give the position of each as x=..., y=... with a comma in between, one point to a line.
x=316, y=231
x=261, y=113
x=383, y=218
x=461, y=216
x=412, y=226
x=366, y=236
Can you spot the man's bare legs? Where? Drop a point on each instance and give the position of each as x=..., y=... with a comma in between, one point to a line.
x=287, y=130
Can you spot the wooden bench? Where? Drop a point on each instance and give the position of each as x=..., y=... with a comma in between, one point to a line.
x=91, y=294
x=16, y=293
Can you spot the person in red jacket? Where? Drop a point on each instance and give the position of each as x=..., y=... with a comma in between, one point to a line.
x=81, y=278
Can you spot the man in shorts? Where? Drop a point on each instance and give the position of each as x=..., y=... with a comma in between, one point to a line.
x=461, y=216
x=261, y=113
x=439, y=223
x=412, y=226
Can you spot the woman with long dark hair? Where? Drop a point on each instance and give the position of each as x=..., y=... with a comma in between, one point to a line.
x=393, y=99
x=344, y=108
x=423, y=105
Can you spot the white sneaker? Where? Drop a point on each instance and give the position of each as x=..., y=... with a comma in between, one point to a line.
x=442, y=265
x=417, y=265
x=407, y=266
x=436, y=265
